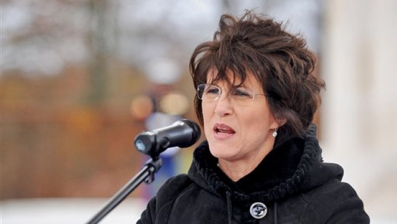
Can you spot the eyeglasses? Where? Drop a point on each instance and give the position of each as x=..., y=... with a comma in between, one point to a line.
x=239, y=95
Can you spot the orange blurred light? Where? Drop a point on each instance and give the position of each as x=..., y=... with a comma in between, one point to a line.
x=141, y=107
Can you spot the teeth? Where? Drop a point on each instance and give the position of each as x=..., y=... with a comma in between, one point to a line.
x=219, y=130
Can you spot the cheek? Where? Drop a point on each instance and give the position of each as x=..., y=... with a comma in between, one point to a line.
x=207, y=110
x=259, y=120
x=256, y=125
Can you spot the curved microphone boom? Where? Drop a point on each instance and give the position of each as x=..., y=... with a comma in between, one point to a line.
x=183, y=133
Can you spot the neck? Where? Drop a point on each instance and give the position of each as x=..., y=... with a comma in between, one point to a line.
x=238, y=169
x=235, y=171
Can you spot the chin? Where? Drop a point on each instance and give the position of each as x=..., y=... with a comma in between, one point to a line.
x=221, y=152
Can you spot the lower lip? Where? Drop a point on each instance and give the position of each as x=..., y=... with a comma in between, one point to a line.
x=222, y=136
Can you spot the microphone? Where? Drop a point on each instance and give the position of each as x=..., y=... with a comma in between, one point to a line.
x=183, y=133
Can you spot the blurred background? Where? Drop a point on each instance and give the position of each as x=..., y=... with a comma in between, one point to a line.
x=81, y=78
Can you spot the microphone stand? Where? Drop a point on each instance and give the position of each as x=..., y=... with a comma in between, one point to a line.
x=146, y=174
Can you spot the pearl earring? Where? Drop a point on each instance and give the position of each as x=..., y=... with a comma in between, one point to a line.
x=275, y=133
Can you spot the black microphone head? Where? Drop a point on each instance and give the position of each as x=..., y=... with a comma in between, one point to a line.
x=183, y=133
x=196, y=131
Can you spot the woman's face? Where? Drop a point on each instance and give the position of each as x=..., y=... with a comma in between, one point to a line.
x=239, y=131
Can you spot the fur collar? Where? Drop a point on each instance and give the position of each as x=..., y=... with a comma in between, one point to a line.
x=281, y=173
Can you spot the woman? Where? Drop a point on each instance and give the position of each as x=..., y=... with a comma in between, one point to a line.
x=261, y=162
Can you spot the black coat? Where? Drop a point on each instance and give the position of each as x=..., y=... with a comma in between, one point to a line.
x=291, y=185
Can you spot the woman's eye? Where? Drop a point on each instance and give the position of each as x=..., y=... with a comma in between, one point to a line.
x=241, y=93
x=212, y=91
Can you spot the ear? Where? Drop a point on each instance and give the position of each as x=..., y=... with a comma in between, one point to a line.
x=281, y=121
x=278, y=123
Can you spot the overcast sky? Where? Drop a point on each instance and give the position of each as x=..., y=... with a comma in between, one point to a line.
x=41, y=37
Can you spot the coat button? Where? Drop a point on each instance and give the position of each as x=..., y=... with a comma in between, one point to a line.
x=258, y=210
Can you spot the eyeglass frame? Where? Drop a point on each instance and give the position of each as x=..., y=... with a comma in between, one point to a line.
x=204, y=86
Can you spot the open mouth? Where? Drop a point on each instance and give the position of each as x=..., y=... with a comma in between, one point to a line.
x=223, y=129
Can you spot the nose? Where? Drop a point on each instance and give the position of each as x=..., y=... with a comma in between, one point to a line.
x=223, y=105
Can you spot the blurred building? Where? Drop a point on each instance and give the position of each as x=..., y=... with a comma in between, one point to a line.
x=360, y=104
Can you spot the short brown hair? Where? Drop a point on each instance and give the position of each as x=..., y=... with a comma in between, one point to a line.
x=279, y=60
